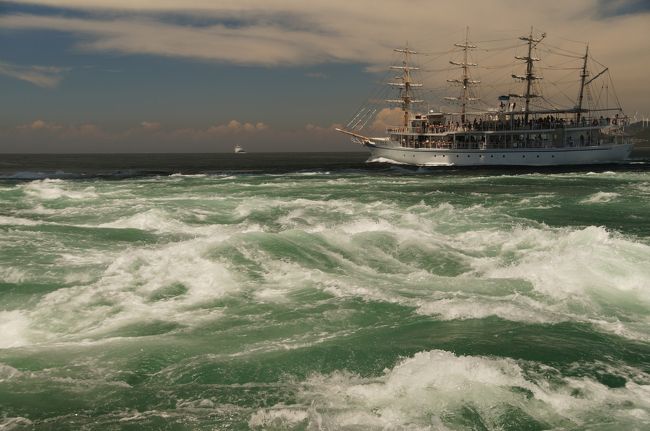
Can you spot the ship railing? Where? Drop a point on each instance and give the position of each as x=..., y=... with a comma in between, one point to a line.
x=419, y=130
x=428, y=144
x=508, y=145
x=506, y=125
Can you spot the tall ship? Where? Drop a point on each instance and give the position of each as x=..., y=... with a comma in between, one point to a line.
x=521, y=128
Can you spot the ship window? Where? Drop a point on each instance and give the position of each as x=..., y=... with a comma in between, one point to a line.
x=553, y=156
x=538, y=156
x=491, y=155
x=468, y=155
x=504, y=156
x=457, y=155
x=523, y=157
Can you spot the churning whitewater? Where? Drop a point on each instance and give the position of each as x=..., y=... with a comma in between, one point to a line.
x=327, y=301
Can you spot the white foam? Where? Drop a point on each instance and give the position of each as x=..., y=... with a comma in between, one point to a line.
x=188, y=222
x=600, y=197
x=311, y=174
x=384, y=160
x=560, y=274
x=564, y=262
x=277, y=417
x=310, y=210
x=13, y=329
x=17, y=221
x=513, y=307
x=150, y=220
x=432, y=389
x=587, y=275
x=272, y=295
x=640, y=187
x=366, y=225
x=601, y=173
x=15, y=423
x=179, y=175
x=169, y=284
x=12, y=275
x=7, y=372
x=50, y=189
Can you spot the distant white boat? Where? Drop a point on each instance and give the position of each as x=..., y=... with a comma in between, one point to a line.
x=239, y=149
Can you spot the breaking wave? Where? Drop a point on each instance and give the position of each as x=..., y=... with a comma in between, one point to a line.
x=600, y=197
x=439, y=390
x=270, y=301
x=443, y=260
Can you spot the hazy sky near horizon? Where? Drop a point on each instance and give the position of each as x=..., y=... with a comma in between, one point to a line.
x=201, y=75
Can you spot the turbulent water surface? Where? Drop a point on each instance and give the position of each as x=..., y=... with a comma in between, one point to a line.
x=349, y=298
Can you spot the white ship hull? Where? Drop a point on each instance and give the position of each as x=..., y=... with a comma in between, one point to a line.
x=499, y=157
x=506, y=134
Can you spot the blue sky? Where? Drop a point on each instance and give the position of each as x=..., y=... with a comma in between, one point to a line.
x=199, y=75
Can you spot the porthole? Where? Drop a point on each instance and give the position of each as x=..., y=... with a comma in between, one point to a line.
x=504, y=156
x=523, y=157
x=468, y=156
x=457, y=155
x=538, y=156
x=491, y=155
x=553, y=156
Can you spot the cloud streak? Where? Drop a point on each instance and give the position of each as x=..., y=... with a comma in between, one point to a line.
x=250, y=45
x=41, y=76
x=287, y=33
x=280, y=33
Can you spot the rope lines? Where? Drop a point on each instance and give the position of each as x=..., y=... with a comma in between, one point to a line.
x=558, y=69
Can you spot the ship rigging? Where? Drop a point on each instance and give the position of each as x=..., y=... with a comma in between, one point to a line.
x=540, y=132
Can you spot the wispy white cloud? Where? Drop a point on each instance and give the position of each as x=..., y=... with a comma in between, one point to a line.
x=290, y=32
x=42, y=76
x=287, y=33
x=257, y=44
x=55, y=129
x=40, y=125
x=234, y=126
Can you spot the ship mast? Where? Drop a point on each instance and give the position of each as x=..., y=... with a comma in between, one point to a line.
x=530, y=76
x=465, y=80
x=405, y=83
x=583, y=76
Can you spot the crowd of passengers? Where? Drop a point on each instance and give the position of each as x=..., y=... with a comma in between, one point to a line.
x=476, y=142
x=548, y=122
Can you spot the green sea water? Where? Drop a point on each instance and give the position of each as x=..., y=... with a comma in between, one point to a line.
x=348, y=299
